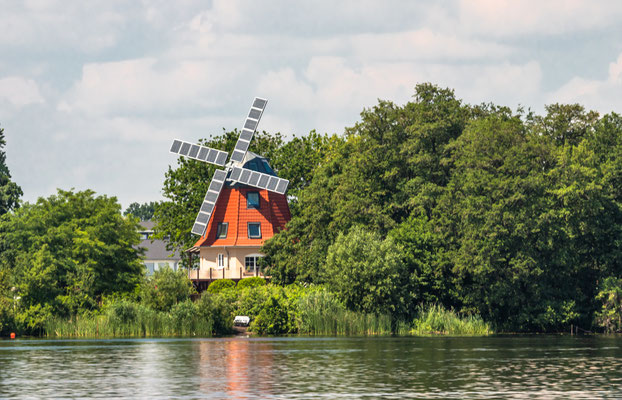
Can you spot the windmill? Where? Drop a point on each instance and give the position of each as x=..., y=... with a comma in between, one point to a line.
x=233, y=169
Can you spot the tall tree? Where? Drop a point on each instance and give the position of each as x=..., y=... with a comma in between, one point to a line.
x=10, y=192
x=64, y=253
x=390, y=163
x=143, y=211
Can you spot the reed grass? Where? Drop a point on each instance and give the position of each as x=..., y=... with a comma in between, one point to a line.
x=436, y=320
x=321, y=313
x=133, y=320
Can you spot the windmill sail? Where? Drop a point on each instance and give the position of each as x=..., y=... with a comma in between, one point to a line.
x=207, y=208
x=250, y=126
x=259, y=180
x=233, y=170
x=200, y=153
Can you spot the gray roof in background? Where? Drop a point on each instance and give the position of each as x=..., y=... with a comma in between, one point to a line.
x=147, y=225
x=155, y=249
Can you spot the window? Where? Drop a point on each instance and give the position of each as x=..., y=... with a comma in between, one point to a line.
x=222, y=230
x=221, y=261
x=254, y=230
x=252, y=200
x=251, y=264
x=150, y=268
x=144, y=235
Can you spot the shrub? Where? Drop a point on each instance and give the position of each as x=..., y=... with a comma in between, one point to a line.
x=220, y=285
x=610, y=314
x=187, y=320
x=165, y=288
x=250, y=300
x=124, y=312
x=218, y=310
x=251, y=282
x=273, y=318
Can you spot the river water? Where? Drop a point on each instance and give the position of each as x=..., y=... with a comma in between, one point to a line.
x=314, y=368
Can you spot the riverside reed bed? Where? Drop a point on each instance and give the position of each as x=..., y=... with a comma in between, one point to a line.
x=274, y=310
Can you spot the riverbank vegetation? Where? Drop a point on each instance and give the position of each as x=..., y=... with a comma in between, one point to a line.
x=506, y=219
x=273, y=309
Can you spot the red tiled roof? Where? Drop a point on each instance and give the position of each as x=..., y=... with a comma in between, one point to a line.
x=273, y=213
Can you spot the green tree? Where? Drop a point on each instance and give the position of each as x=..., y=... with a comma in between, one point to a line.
x=165, y=288
x=65, y=252
x=10, y=192
x=367, y=273
x=144, y=211
x=428, y=279
x=610, y=296
x=392, y=162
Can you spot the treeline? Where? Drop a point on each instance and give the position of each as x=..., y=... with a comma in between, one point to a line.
x=506, y=214
x=510, y=215
x=476, y=208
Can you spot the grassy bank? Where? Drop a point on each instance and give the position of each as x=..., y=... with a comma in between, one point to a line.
x=273, y=310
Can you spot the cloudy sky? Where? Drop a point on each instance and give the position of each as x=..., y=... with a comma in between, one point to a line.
x=92, y=93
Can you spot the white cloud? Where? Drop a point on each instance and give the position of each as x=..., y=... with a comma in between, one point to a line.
x=143, y=85
x=20, y=91
x=330, y=93
x=602, y=95
x=424, y=44
x=508, y=17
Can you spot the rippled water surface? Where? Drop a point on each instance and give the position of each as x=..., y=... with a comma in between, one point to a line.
x=291, y=368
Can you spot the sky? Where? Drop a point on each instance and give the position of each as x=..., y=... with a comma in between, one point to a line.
x=93, y=93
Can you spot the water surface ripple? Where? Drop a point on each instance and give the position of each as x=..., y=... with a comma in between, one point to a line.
x=314, y=368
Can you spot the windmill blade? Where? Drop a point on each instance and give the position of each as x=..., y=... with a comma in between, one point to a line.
x=205, y=214
x=250, y=125
x=200, y=153
x=259, y=180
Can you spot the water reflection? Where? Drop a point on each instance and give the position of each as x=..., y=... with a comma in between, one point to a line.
x=352, y=368
x=234, y=368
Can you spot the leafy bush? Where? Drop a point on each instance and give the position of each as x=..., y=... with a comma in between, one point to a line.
x=165, y=288
x=251, y=282
x=610, y=314
x=250, y=301
x=220, y=285
x=273, y=318
x=218, y=310
x=124, y=312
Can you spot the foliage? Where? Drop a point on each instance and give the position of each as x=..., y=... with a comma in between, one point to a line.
x=166, y=288
x=10, y=192
x=367, y=273
x=610, y=296
x=128, y=319
x=434, y=319
x=273, y=318
x=509, y=215
x=64, y=253
x=392, y=162
x=220, y=285
x=143, y=211
x=218, y=310
x=251, y=282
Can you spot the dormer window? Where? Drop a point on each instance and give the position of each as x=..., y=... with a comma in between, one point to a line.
x=221, y=232
x=254, y=230
x=252, y=200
